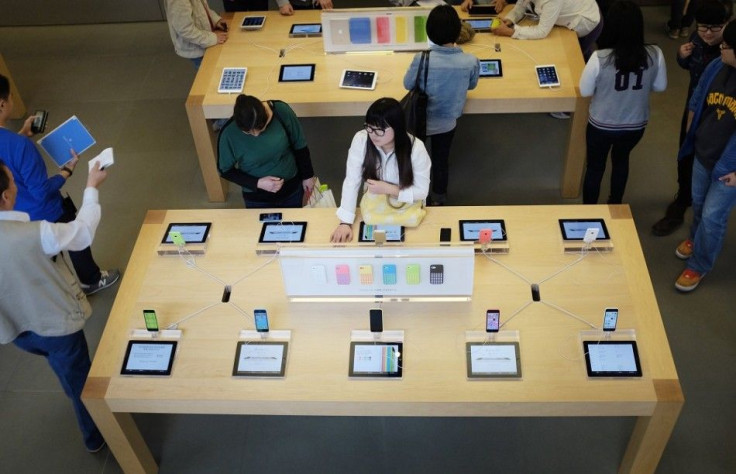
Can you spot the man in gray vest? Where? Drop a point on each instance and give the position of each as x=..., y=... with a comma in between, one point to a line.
x=42, y=307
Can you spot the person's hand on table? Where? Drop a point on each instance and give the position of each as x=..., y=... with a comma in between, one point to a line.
x=286, y=10
x=221, y=36
x=343, y=233
x=325, y=4
x=382, y=187
x=729, y=179
x=25, y=130
x=506, y=28
x=499, y=5
x=466, y=6
x=686, y=50
x=221, y=25
x=271, y=184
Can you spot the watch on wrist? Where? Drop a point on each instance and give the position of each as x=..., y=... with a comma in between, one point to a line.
x=68, y=170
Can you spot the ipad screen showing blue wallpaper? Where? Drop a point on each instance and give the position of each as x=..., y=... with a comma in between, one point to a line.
x=360, y=30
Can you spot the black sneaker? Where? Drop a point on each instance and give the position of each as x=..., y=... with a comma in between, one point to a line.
x=107, y=279
x=673, y=218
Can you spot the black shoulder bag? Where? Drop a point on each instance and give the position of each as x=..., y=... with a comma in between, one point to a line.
x=415, y=101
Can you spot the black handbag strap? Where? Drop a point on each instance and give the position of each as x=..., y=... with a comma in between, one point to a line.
x=423, y=64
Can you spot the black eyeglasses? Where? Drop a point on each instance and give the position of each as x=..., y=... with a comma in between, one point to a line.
x=713, y=28
x=725, y=46
x=379, y=132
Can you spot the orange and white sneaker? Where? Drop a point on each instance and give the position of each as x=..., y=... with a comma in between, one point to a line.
x=688, y=280
x=684, y=250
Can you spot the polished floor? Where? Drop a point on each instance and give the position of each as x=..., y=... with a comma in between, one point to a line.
x=125, y=82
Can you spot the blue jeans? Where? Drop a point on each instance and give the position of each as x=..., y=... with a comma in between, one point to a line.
x=712, y=204
x=294, y=200
x=68, y=356
x=197, y=62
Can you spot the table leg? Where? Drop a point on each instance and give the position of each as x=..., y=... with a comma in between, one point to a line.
x=119, y=430
x=572, y=173
x=205, y=141
x=19, y=108
x=651, y=433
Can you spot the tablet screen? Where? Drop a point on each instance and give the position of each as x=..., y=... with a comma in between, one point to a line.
x=479, y=24
x=376, y=359
x=490, y=68
x=253, y=22
x=394, y=233
x=149, y=358
x=612, y=359
x=193, y=232
x=574, y=229
x=296, y=73
x=470, y=230
x=260, y=358
x=358, y=79
x=547, y=76
x=282, y=232
x=305, y=29
x=493, y=360
x=483, y=10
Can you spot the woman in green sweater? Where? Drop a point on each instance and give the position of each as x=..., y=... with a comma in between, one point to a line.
x=263, y=149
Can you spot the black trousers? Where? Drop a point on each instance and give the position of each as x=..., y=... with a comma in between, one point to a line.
x=440, y=152
x=599, y=143
x=87, y=270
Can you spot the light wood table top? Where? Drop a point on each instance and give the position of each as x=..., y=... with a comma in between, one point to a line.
x=434, y=383
x=516, y=92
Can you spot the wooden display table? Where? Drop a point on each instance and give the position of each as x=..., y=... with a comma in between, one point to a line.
x=434, y=383
x=516, y=92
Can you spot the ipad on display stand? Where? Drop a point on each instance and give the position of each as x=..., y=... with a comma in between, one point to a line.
x=365, y=80
x=253, y=22
x=490, y=68
x=547, y=76
x=612, y=359
x=305, y=30
x=296, y=73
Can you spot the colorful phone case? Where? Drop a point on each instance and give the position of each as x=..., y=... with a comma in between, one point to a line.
x=389, y=274
x=436, y=274
x=342, y=273
x=412, y=274
x=366, y=274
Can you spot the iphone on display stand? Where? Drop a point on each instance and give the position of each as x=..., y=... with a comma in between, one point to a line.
x=493, y=317
x=261, y=319
x=610, y=318
x=149, y=316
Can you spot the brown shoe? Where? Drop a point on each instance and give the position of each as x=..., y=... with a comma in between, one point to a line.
x=688, y=280
x=684, y=250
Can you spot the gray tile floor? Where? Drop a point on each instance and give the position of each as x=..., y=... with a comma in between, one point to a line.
x=127, y=85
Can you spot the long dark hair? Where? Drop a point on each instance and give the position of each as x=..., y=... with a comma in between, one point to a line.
x=623, y=32
x=383, y=113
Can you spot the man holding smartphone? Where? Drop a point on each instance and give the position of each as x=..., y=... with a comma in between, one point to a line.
x=39, y=195
x=42, y=306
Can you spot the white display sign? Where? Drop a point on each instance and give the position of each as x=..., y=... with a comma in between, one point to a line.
x=383, y=272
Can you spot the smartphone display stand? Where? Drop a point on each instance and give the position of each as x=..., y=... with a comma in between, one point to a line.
x=278, y=334
x=500, y=336
x=493, y=247
x=162, y=334
x=364, y=335
x=173, y=249
x=576, y=246
x=601, y=335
